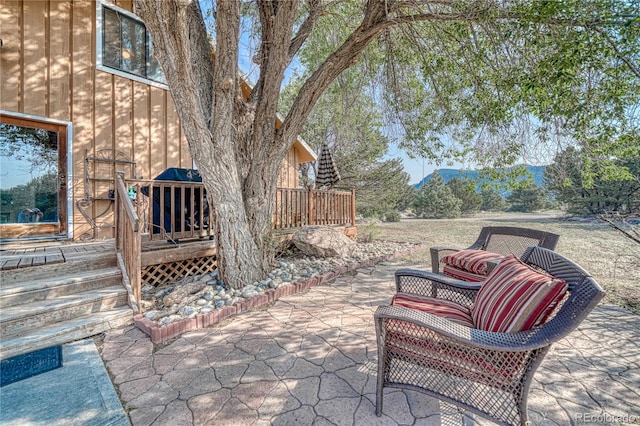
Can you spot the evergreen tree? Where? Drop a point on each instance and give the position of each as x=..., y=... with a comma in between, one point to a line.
x=382, y=188
x=435, y=200
x=527, y=199
x=595, y=191
x=492, y=201
x=465, y=191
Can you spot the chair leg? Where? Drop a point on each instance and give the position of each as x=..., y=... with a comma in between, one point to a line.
x=381, y=369
x=379, y=400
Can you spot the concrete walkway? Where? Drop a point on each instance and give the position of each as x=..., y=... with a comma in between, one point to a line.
x=310, y=359
x=79, y=393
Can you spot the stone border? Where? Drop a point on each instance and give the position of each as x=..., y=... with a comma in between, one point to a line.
x=162, y=334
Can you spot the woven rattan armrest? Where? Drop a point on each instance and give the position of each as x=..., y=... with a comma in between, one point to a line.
x=510, y=342
x=436, y=285
x=437, y=253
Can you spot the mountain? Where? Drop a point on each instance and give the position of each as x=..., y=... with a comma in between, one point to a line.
x=448, y=174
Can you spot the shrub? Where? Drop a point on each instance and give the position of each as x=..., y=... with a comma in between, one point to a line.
x=392, y=216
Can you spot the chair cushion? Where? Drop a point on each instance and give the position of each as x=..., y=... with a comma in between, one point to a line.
x=474, y=261
x=462, y=274
x=515, y=297
x=440, y=307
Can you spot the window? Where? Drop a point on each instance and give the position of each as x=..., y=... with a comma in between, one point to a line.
x=126, y=45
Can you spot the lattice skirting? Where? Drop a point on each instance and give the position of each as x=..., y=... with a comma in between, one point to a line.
x=170, y=272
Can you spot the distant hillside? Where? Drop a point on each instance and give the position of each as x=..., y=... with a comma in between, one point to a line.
x=448, y=174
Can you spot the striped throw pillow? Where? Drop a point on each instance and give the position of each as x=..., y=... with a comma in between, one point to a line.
x=462, y=274
x=440, y=307
x=474, y=261
x=515, y=297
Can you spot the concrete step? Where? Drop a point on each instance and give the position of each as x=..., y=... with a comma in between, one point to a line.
x=22, y=319
x=65, y=331
x=78, y=264
x=22, y=292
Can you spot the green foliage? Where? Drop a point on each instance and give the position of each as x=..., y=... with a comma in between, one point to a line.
x=369, y=233
x=465, y=191
x=436, y=200
x=605, y=185
x=492, y=201
x=392, y=216
x=503, y=81
x=528, y=199
x=349, y=123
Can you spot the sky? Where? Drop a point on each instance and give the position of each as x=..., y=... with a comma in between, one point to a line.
x=417, y=168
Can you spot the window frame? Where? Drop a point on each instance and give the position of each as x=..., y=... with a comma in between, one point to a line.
x=100, y=24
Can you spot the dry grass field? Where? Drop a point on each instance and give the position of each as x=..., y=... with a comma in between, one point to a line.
x=609, y=256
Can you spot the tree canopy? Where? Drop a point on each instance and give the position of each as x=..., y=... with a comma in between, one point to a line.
x=494, y=80
x=605, y=193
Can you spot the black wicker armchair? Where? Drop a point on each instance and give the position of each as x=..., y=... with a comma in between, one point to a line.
x=501, y=240
x=485, y=372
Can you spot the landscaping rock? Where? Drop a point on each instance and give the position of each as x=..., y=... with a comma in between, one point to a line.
x=322, y=241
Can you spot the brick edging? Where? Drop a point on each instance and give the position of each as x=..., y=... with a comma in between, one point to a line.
x=162, y=334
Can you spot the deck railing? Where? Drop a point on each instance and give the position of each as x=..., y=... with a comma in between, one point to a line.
x=127, y=237
x=299, y=207
x=171, y=210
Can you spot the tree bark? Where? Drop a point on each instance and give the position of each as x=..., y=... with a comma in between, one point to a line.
x=206, y=95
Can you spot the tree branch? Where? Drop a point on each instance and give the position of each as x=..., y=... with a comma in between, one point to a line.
x=618, y=227
x=315, y=11
x=623, y=58
x=181, y=29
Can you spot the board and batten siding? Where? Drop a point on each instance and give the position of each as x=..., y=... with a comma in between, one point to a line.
x=289, y=171
x=48, y=69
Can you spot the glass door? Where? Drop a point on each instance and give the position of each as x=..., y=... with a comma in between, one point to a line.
x=33, y=178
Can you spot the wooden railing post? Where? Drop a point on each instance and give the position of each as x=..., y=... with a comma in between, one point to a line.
x=353, y=207
x=311, y=214
x=128, y=241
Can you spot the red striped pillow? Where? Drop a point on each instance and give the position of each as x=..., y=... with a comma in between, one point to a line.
x=471, y=260
x=515, y=297
x=440, y=307
x=461, y=274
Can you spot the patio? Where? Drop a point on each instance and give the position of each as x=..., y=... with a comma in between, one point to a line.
x=310, y=358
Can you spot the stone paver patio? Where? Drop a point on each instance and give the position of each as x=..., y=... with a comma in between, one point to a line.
x=310, y=359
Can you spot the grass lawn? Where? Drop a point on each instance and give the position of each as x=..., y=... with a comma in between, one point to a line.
x=612, y=258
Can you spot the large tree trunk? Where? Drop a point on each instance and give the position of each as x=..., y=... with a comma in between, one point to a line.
x=233, y=141
x=206, y=99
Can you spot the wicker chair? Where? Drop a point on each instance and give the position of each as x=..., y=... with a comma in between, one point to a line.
x=503, y=240
x=486, y=373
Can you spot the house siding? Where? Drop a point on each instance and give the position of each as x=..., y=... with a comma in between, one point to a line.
x=289, y=171
x=48, y=69
x=48, y=63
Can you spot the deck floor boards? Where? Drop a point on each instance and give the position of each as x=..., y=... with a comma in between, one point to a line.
x=15, y=255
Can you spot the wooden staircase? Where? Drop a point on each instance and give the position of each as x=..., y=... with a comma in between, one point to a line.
x=47, y=305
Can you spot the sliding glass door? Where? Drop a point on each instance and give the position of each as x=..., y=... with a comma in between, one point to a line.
x=33, y=178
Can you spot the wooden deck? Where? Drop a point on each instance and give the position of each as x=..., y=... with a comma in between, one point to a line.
x=27, y=254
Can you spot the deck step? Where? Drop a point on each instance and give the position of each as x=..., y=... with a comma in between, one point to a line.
x=79, y=264
x=21, y=292
x=65, y=331
x=21, y=319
